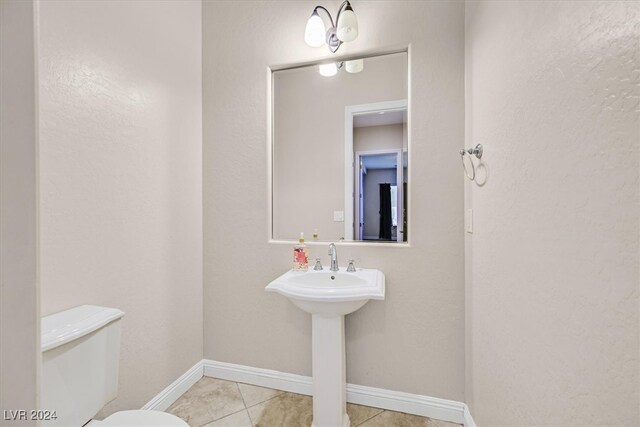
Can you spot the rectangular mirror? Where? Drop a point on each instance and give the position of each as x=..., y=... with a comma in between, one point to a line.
x=340, y=152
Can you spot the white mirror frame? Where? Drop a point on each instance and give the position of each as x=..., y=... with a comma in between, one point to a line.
x=349, y=166
x=269, y=141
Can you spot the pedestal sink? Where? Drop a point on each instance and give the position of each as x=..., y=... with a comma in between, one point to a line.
x=328, y=296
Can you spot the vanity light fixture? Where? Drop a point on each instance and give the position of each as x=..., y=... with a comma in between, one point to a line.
x=344, y=30
x=354, y=66
x=331, y=69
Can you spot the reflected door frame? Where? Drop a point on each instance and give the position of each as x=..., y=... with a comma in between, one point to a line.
x=350, y=170
x=361, y=171
x=359, y=214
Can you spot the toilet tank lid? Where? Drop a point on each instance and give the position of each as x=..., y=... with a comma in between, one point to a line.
x=68, y=325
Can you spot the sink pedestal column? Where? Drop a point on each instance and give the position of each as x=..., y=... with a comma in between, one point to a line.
x=329, y=371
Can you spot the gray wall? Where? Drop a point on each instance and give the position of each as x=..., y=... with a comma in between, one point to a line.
x=552, y=264
x=379, y=137
x=121, y=178
x=414, y=340
x=19, y=304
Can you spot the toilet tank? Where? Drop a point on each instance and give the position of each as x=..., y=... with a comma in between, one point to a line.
x=80, y=353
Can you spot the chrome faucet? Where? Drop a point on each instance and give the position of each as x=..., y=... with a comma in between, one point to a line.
x=334, y=257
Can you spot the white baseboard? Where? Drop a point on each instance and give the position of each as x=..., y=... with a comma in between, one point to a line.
x=432, y=407
x=468, y=419
x=426, y=406
x=257, y=376
x=166, y=397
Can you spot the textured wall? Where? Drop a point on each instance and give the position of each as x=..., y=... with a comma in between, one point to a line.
x=121, y=178
x=19, y=306
x=552, y=298
x=370, y=138
x=413, y=341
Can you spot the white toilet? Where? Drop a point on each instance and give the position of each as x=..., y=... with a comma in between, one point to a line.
x=80, y=353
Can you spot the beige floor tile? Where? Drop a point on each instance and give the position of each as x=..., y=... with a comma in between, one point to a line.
x=396, y=419
x=218, y=403
x=253, y=395
x=439, y=423
x=209, y=399
x=359, y=413
x=239, y=419
x=191, y=410
x=287, y=409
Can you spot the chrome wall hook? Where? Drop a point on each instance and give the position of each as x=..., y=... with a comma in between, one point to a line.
x=477, y=151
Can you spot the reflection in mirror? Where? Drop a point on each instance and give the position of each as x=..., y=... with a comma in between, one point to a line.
x=340, y=152
x=380, y=152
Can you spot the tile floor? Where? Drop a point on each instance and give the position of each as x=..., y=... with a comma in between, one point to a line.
x=218, y=403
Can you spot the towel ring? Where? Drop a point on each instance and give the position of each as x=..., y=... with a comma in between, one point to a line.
x=464, y=166
x=477, y=151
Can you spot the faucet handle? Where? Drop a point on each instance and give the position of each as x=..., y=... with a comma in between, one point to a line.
x=351, y=268
x=318, y=265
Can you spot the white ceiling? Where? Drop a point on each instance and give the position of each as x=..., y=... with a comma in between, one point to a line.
x=380, y=118
x=380, y=161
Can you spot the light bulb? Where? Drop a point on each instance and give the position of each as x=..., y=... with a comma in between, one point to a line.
x=314, y=33
x=347, y=25
x=328, y=70
x=354, y=66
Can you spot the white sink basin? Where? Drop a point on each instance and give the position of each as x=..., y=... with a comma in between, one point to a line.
x=330, y=292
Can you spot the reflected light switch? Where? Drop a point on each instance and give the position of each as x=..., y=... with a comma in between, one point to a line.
x=338, y=216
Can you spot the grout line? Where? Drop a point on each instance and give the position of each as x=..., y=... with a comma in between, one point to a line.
x=233, y=413
x=202, y=425
x=280, y=393
x=246, y=408
x=376, y=415
x=241, y=396
x=271, y=398
x=253, y=424
x=370, y=418
x=211, y=420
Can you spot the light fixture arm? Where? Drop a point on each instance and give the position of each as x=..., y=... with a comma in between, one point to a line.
x=340, y=9
x=327, y=12
x=333, y=42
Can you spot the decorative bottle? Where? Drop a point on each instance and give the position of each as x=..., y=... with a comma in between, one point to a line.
x=300, y=255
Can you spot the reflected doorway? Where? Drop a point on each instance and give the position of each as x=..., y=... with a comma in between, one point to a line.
x=376, y=154
x=380, y=213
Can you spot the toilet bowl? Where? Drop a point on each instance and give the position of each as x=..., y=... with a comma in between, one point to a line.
x=80, y=355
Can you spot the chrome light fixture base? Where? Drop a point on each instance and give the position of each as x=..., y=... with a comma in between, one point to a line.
x=333, y=42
